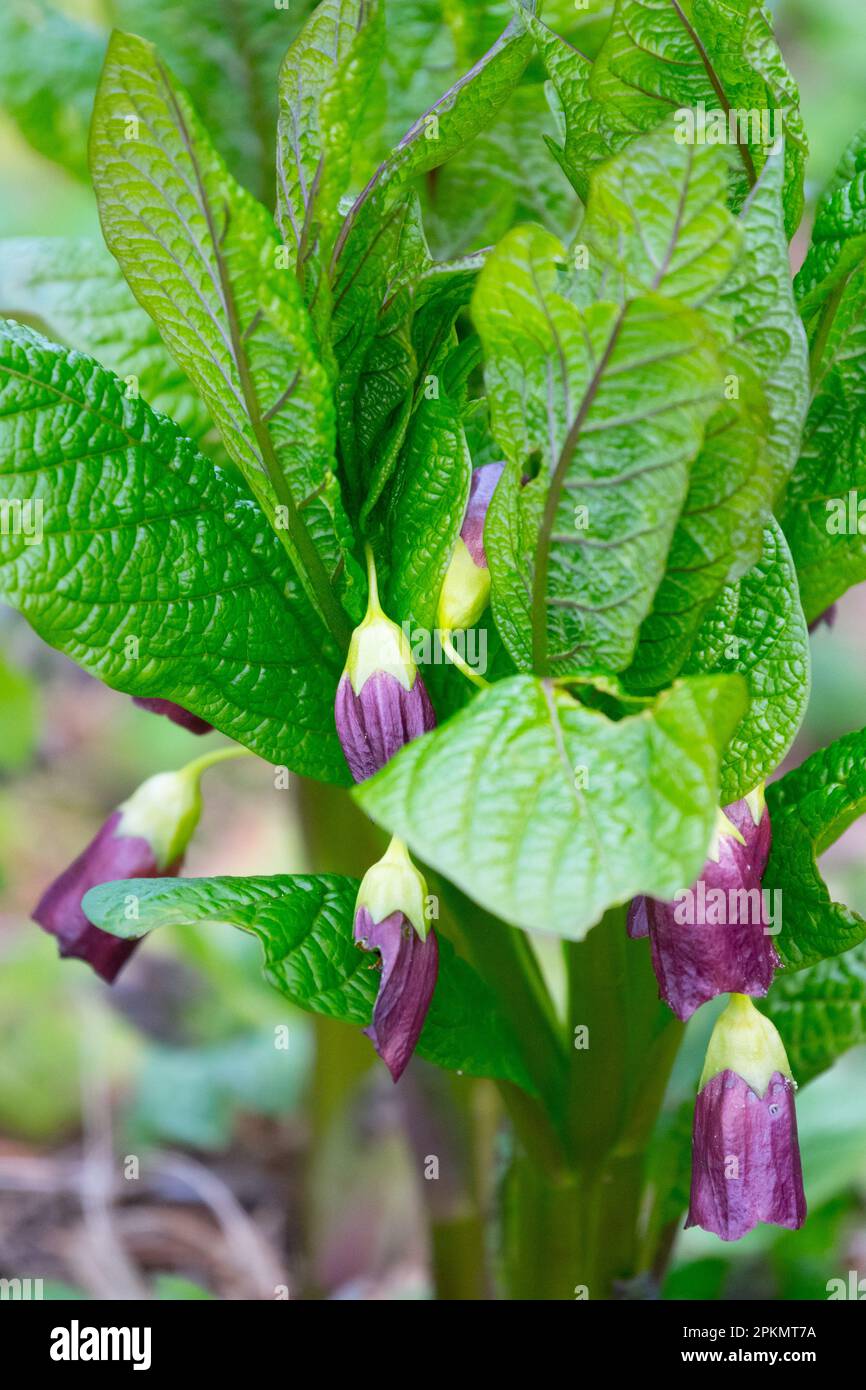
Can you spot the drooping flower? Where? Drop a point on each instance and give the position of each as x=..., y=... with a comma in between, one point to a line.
x=715, y=937
x=466, y=588
x=144, y=838
x=745, y=1154
x=390, y=918
x=176, y=713
x=382, y=702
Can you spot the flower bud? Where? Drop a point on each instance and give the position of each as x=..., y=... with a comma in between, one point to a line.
x=382, y=702
x=466, y=587
x=390, y=918
x=714, y=937
x=176, y=713
x=144, y=838
x=745, y=1154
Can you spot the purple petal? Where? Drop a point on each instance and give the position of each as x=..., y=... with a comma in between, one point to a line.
x=714, y=940
x=106, y=858
x=376, y=724
x=745, y=1158
x=481, y=490
x=637, y=921
x=409, y=970
x=756, y=850
x=176, y=713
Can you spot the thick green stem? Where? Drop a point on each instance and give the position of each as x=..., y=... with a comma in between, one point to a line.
x=577, y=1234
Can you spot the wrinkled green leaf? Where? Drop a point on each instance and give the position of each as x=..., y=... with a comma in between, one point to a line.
x=756, y=628
x=661, y=56
x=204, y=259
x=304, y=925
x=612, y=400
x=810, y=808
x=324, y=80
x=820, y=1012
x=547, y=812
x=154, y=571
x=72, y=290
x=822, y=517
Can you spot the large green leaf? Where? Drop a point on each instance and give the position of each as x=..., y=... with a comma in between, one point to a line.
x=752, y=443
x=155, y=571
x=662, y=56
x=810, y=808
x=227, y=54
x=49, y=66
x=204, y=259
x=304, y=925
x=610, y=401
x=820, y=1012
x=324, y=81
x=72, y=290
x=547, y=812
x=756, y=628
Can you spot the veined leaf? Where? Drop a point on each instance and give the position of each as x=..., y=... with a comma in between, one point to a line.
x=72, y=290
x=559, y=812
x=810, y=808
x=756, y=628
x=426, y=503
x=49, y=66
x=590, y=131
x=838, y=245
x=751, y=446
x=767, y=327
x=662, y=56
x=821, y=518
x=149, y=566
x=657, y=223
x=304, y=925
x=612, y=399
x=204, y=259
x=227, y=54
x=324, y=80
x=820, y=1012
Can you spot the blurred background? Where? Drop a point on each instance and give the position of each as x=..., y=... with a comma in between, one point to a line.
x=154, y=1142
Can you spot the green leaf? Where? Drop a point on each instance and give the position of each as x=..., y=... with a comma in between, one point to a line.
x=227, y=54
x=155, y=571
x=324, y=81
x=49, y=66
x=767, y=328
x=72, y=290
x=304, y=925
x=810, y=808
x=751, y=446
x=204, y=259
x=820, y=1012
x=426, y=505
x=756, y=628
x=822, y=519
x=662, y=56
x=612, y=399
x=559, y=812
x=590, y=130
x=838, y=245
